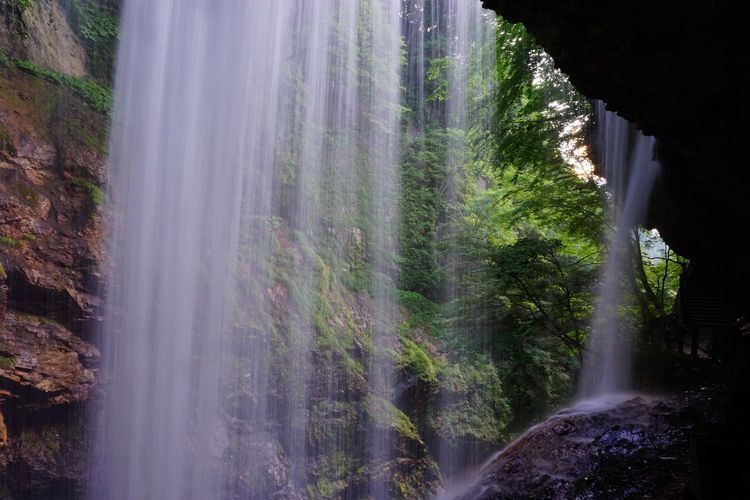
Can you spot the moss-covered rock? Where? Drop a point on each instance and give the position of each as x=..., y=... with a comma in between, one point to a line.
x=319, y=352
x=471, y=404
x=416, y=360
x=40, y=31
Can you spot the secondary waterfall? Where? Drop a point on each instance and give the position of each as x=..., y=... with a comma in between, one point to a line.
x=630, y=167
x=245, y=135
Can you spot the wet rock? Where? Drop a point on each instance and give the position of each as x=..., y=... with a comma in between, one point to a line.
x=52, y=224
x=42, y=364
x=40, y=32
x=52, y=164
x=269, y=476
x=44, y=461
x=3, y=432
x=616, y=448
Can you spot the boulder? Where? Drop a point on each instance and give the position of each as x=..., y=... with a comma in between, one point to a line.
x=618, y=447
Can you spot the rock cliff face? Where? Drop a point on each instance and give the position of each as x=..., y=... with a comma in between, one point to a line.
x=40, y=32
x=51, y=233
x=680, y=73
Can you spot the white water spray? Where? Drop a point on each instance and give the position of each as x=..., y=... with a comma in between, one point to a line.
x=630, y=168
x=231, y=116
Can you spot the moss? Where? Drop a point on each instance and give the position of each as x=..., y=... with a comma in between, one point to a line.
x=3, y=274
x=357, y=278
x=332, y=472
x=421, y=312
x=337, y=331
x=41, y=443
x=96, y=96
x=334, y=467
x=51, y=439
x=46, y=321
x=22, y=5
x=12, y=11
x=7, y=362
x=474, y=406
x=386, y=415
x=95, y=192
x=421, y=480
x=418, y=361
x=96, y=23
x=57, y=114
x=9, y=242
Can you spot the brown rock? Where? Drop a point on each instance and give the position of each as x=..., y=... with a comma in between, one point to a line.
x=3, y=432
x=43, y=35
x=52, y=228
x=3, y=298
x=42, y=364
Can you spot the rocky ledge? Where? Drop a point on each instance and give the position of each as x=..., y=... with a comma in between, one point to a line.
x=45, y=373
x=42, y=364
x=621, y=447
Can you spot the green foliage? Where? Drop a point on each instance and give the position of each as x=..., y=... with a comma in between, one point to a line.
x=23, y=5
x=387, y=416
x=415, y=359
x=3, y=274
x=7, y=362
x=95, y=192
x=538, y=375
x=658, y=270
x=96, y=96
x=422, y=312
x=437, y=73
x=9, y=242
x=505, y=236
x=473, y=406
x=424, y=177
x=546, y=288
x=97, y=24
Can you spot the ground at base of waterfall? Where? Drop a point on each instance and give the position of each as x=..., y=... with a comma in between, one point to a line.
x=683, y=446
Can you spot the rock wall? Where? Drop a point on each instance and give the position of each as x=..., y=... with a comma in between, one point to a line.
x=51, y=232
x=39, y=31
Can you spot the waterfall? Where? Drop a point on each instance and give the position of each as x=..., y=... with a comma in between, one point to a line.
x=244, y=134
x=629, y=165
x=449, y=77
x=470, y=32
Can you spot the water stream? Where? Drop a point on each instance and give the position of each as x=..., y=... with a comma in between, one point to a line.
x=630, y=167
